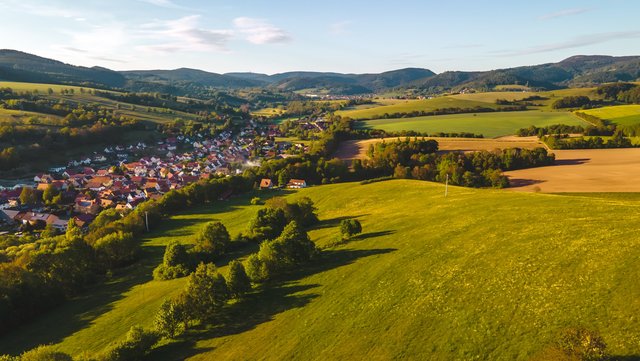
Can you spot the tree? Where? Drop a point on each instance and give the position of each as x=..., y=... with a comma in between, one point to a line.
x=349, y=228
x=49, y=231
x=49, y=193
x=213, y=239
x=206, y=292
x=73, y=231
x=169, y=321
x=42, y=353
x=237, y=280
x=267, y=224
x=176, y=262
x=116, y=249
x=28, y=196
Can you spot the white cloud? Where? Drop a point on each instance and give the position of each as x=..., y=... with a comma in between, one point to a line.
x=184, y=34
x=162, y=3
x=259, y=31
x=576, y=42
x=565, y=12
x=340, y=28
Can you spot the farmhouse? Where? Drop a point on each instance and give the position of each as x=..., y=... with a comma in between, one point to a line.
x=297, y=184
x=266, y=183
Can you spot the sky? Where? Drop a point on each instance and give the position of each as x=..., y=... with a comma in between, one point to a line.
x=273, y=36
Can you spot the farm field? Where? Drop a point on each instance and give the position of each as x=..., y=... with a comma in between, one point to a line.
x=488, y=124
x=619, y=114
x=134, y=111
x=413, y=105
x=431, y=278
x=357, y=149
x=583, y=170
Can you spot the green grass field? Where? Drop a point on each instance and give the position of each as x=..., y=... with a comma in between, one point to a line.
x=413, y=105
x=126, y=109
x=481, y=274
x=618, y=114
x=488, y=124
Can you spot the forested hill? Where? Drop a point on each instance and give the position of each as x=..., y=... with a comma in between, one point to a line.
x=575, y=71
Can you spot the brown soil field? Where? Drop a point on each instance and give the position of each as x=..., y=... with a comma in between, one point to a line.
x=357, y=149
x=583, y=170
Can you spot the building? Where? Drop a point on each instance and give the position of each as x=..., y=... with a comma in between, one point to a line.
x=297, y=183
x=266, y=183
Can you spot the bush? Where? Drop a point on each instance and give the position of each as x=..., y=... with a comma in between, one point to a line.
x=135, y=346
x=40, y=353
x=349, y=228
x=255, y=201
x=176, y=263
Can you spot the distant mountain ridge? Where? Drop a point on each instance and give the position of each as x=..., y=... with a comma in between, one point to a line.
x=580, y=70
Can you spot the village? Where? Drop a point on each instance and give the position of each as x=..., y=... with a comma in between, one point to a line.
x=117, y=179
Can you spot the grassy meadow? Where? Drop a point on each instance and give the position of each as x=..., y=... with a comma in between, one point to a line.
x=488, y=124
x=413, y=105
x=618, y=114
x=130, y=110
x=481, y=274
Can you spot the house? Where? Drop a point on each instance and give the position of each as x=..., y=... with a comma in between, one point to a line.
x=266, y=183
x=87, y=206
x=297, y=183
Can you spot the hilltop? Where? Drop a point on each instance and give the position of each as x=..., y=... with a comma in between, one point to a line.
x=581, y=70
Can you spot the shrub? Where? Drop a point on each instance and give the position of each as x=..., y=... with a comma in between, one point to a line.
x=349, y=228
x=213, y=239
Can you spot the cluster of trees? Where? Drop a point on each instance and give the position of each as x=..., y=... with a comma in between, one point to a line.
x=550, y=129
x=577, y=101
x=622, y=92
x=593, y=142
x=418, y=159
x=269, y=221
x=285, y=253
x=43, y=276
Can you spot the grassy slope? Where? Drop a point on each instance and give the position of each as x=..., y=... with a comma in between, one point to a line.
x=619, y=114
x=482, y=273
x=126, y=109
x=488, y=124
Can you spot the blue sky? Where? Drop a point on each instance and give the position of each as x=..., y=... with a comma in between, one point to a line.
x=343, y=36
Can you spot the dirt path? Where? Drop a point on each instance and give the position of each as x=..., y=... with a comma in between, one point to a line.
x=584, y=170
x=357, y=149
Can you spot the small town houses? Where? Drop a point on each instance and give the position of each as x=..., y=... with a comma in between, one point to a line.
x=92, y=184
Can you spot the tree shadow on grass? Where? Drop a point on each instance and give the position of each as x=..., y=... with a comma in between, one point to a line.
x=334, y=222
x=625, y=358
x=263, y=305
x=79, y=312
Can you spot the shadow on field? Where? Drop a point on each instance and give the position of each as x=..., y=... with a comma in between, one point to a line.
x=335, y=222
x=263, y=305
x=521, y=182
x=626, y=358
x=576, y=161
x=80, y=312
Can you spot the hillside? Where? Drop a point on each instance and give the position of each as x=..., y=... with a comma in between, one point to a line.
x=19, y=66
x=431, y=278
x=574, y=71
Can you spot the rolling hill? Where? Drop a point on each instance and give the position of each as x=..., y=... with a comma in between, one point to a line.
x=574, y=71
x=430, y=278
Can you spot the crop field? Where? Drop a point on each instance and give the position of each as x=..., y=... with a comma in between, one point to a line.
x=9, y=116
x=618, y=114
x=413, y=105
x=583, y=170
x=488, y=124
x=430, y=278
x=357, y=149
x=158, y=115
